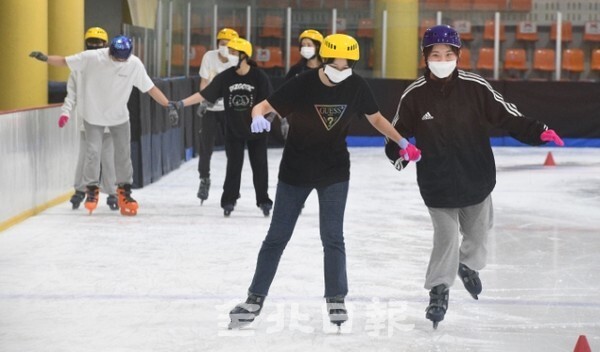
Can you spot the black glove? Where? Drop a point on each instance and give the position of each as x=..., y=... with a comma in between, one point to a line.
x=174, y=108
x=202, y=108
x=38, y=55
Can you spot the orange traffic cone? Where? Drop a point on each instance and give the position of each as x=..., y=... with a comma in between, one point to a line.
x=582, y=345
x=549, y=160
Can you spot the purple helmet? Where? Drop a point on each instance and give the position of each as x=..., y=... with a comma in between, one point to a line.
x=120, y=47
x=442, y=34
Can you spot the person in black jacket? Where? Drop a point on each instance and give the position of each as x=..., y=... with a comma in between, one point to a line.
x=449, y=112
x=241, y=87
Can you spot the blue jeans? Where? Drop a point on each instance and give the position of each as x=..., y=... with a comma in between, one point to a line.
x=288, y=204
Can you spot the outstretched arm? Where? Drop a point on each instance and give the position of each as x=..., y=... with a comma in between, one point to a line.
x=158, y=96
x=53, y=60
x=407, y=151
x=382, y=125
x=195, y=98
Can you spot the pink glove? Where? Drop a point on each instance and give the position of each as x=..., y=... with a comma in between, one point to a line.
x=62, y=120
x=551, y=136
x=408, y=151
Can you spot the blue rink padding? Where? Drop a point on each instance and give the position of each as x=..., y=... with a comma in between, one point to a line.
x=370, y=141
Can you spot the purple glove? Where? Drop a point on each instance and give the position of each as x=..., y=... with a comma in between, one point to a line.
x=551, y=136
x=62, y=120
x=260, y=124
x=408, y=151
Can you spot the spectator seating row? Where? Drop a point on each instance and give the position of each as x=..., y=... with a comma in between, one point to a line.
x=525, y=30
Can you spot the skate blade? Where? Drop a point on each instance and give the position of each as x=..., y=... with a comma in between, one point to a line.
x=435, y=325
x=474, y=296
x=240, y=320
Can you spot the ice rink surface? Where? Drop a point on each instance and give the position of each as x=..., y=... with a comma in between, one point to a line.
x=166, y=279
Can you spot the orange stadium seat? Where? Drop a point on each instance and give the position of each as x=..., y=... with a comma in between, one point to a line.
x=464, y=61
x=196, y=54
x=365, y=28
x=485, y=61
x=544, y=60
x=488, y=30
x=269, y=57
x=177, y=54
x=567, y=31
x=521, y=5
x=515, y=59
x=592, y=31
x=272, y=26
x=572, y=60
x=526, y=31
x=489, y=5
x=460, y=5
x=595, y=62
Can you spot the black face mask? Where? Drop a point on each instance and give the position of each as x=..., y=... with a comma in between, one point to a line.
x=93, y=44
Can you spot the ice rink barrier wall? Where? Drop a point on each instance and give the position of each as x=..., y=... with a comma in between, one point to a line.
x=38, y=162
x=38, y=158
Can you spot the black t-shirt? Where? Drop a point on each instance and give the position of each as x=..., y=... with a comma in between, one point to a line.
x=298, y=68
x=240, y=94
x=315, y=152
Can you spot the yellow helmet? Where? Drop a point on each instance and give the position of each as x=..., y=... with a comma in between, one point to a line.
x=311, y=34
x=227, y=34
x=240, y=44
x=96, y=32
x=339, y=46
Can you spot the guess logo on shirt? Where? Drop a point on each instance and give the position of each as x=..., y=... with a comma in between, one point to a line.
x=330, y=114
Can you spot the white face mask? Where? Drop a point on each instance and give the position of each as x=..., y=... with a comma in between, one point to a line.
x=223, y=50
x=233, y=59
x=308, y=52
x=336, y=76
x=442, y=69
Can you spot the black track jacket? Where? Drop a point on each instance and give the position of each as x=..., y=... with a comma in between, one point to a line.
x=451, y=122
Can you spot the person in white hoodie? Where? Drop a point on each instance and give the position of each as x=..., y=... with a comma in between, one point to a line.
x=95, y=38
x=108, y=76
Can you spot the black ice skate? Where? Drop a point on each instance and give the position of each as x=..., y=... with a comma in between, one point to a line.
x=438, y=304
x=227, y=209
x=112, y=202
x=203, y=189
x=77, y=198
x=470, y=279
x=245, y=313
x=336, y=309
x=266, y=208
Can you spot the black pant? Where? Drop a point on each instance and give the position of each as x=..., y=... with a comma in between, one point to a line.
x=211, y=125
x=257, y=151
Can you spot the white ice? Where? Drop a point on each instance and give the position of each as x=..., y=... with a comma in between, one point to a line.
x=166, y=279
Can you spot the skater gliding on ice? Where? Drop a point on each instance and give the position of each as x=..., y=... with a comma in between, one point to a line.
x=321, y=103
x=212, y=119
x=95, y=38
x=240, y=87
x=450, y=113
x=107, y=77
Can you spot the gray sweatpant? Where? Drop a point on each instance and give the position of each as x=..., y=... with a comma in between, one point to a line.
x=474, y=223
x=121, y=135
x=107, y=177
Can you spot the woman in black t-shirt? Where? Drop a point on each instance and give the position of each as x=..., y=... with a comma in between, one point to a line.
x=322, y=103
x=241, y=87
x=310, y=43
